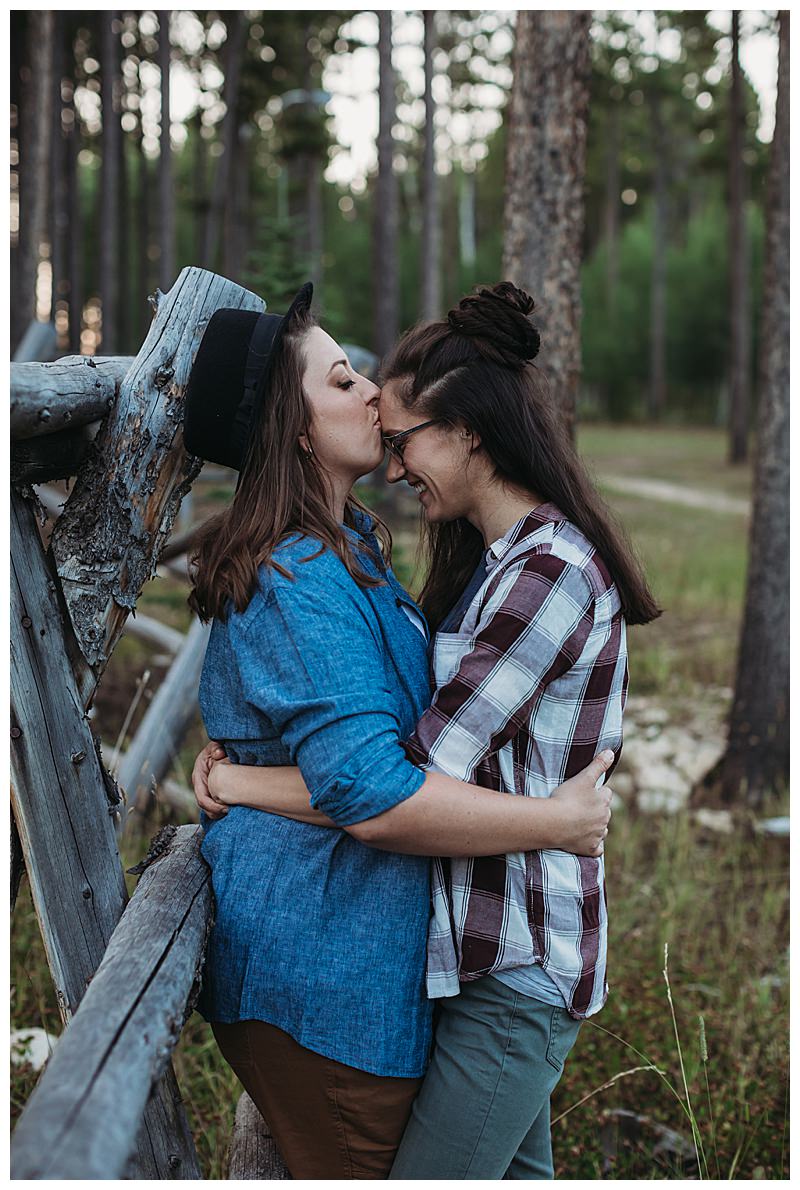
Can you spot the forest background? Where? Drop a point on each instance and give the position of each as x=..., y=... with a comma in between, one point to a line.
x=242, y=142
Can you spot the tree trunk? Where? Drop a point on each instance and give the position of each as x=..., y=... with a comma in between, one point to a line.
x=143, y=215
x=109, y=208
x=75, y=251
x=314, y=218
x=59, y=214
x=430, y=263
x=36, y=129
x=451, y=263
x=467, y=201
x=386, y=269
x=166, y=195
x=738, y=380
x=544, y=208
x=16, y=66
x=657, y=391
x=612, y=206
x=756, y=760
x=234, y=47
x=199, y=185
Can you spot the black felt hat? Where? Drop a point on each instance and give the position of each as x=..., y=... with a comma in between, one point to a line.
x=228, y=380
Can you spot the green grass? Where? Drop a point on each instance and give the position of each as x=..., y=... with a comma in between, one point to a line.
x=721, y=903
x=693, y=458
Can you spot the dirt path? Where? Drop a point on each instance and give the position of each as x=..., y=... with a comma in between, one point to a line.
x=672, y=493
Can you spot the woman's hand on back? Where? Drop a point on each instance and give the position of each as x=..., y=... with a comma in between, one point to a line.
x=212, y=754
x=585, y=809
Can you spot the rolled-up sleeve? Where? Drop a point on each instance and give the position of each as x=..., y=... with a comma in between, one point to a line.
x=312, y=664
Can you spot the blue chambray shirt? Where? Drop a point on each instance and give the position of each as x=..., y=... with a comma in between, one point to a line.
x=314, y=932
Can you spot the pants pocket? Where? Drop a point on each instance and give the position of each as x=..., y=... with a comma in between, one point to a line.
x=563, y=1032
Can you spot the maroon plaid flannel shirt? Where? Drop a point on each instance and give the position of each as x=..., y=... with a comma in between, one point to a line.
x=528, y=690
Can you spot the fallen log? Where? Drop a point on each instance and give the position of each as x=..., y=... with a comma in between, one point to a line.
x=70, y=392
x=253, y=1155
x=77, y=1122
x=159, y=736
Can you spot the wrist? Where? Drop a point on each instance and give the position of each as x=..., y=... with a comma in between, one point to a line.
x=548, y=824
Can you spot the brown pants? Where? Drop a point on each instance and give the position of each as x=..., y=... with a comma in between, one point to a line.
x=328, y=1120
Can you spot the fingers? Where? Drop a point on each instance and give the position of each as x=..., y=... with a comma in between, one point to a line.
x=600, y=765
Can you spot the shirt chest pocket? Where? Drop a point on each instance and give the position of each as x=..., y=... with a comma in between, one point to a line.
x=448, y=650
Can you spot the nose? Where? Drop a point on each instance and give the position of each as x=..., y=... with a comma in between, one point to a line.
x=370, y=391
x=395, y=470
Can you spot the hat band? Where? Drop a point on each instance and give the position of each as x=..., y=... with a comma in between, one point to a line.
x=258, y=353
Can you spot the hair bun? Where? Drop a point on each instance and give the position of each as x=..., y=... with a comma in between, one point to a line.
x=497, y=316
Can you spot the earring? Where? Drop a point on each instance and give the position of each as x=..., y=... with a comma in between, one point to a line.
x=308, y=454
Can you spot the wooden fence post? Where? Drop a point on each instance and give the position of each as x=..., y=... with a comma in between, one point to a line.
x=105, y=547
x=61, y=804
x=253, y=1155
x=107, y=541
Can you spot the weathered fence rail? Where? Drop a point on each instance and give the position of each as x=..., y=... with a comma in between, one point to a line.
x=163, y=727
x=68, y=612
x=73, y=391
x=80, y=1121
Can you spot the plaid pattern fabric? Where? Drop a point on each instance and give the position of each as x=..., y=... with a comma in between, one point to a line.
x=528, y=690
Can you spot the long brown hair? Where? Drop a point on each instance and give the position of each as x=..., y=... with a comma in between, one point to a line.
x=474, y=367
x=281, y=491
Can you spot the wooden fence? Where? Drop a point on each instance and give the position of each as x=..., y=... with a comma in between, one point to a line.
x=125, y=972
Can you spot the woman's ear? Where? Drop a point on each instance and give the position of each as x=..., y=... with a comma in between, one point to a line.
x=305, y=446
x=469, y=435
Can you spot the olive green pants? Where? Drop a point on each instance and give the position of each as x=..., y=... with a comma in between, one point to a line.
x=484, y=1108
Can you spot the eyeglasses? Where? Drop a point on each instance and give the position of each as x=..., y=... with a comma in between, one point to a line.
x=396, y=443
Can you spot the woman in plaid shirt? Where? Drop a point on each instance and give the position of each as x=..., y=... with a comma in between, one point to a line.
x=530, y=671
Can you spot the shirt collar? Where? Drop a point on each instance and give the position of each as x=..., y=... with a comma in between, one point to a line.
x=362, y=521
x=529, y=525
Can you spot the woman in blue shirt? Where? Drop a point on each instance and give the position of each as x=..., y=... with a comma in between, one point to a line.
x=317, y=658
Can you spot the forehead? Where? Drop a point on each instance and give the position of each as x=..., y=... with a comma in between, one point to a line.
x=393, y=414
x=320, y=350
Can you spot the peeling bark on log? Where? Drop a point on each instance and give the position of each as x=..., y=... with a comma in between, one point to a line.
x=71, y=392
x=61, y=806
x=102, y=1071
x=107, y=541
x=254, y=1154
x=163, y=727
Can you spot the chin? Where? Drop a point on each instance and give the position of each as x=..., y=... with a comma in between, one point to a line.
x=369, y=462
